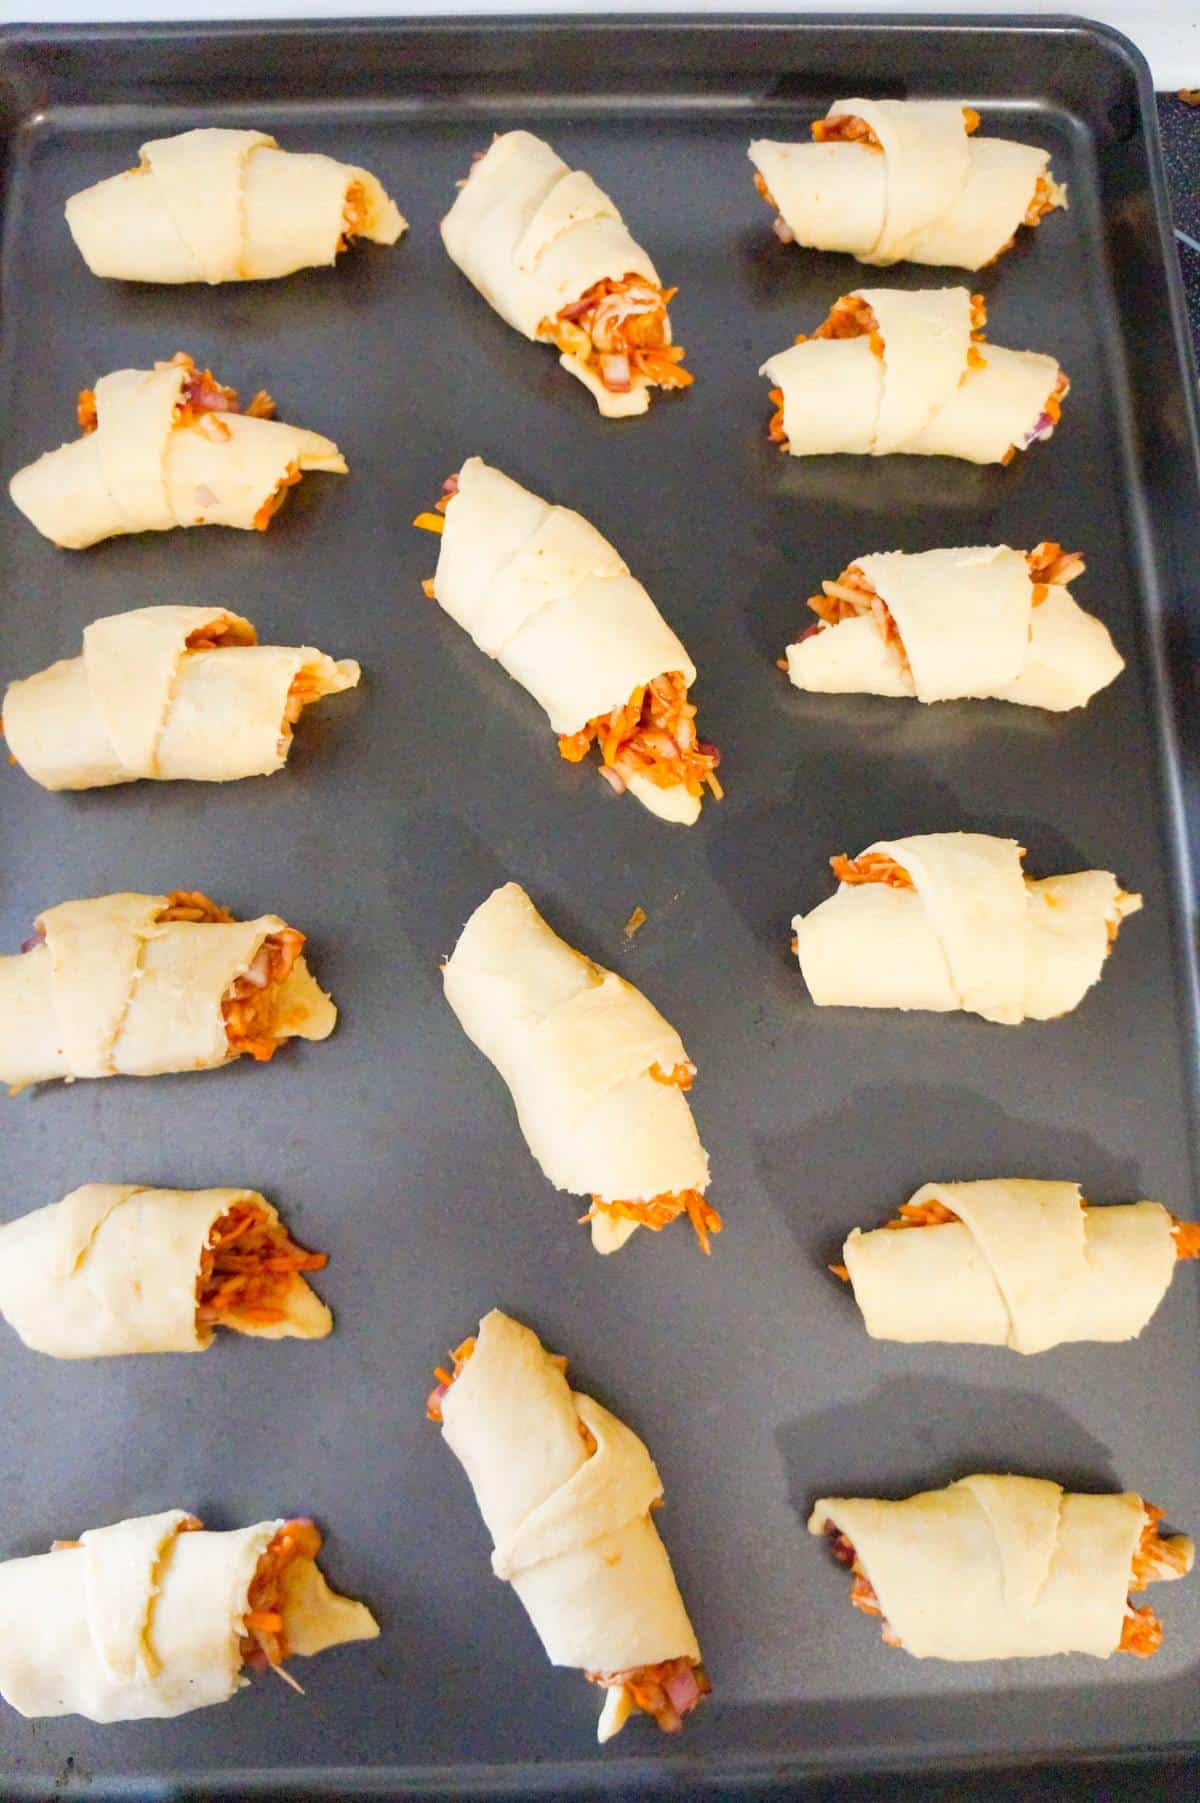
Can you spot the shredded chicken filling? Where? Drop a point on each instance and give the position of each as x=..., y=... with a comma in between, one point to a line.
x=248, y=1269
x=653, y=735
x=668, y=1691
x=264, y=1639
x=620, y=330
x=848, y=128
x=660, y=1211
x=250, y=1004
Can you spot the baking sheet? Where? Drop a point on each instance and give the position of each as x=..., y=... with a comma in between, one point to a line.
x=394, y=1145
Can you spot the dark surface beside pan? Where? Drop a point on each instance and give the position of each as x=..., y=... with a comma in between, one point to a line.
x=394, y=1145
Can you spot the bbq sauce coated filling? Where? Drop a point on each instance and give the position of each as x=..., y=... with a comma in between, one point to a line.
x=667, y=1691
x=854, y=593
x=1157, y=1558
x=249, y=1005
x=248, y=1268
x=202, y=401
x=620, y=331
x=653, y=735
x=263, y=1643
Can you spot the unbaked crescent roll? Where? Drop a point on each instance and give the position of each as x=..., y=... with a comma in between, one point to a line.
x=566, y=1492
x=167, y=693
x=943, y=921
x=156, y=1615
x=597, y=1076
x=905, y=180
x=1010, y=1262
x=550, y=252
x=891, y=371
x=1005, y=1568
x=981, y=622
x=226, y=206
x=139, y=985
x=168, y=446
x=544, y=593
x=120, y=1268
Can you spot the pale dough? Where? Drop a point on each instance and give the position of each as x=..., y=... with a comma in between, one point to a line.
x=139, y=703
x=224, y=206
x=112, y=1268
x=575, y=1044
x=573, y=1532
x=140, y=471
x=930, y=193
x=141, y=1619
x=974, y=933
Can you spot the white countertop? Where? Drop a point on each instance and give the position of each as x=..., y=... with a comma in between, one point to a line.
x=1167, y=31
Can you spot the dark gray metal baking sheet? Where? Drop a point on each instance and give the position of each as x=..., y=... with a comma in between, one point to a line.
x=394, y=1145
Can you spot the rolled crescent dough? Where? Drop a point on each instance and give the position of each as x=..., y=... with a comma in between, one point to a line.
x=533, y=235
x=142, y=1619
x=549, y=597
x=1026, y=1265
x=968, y=628
x=929, y=193
x=110, y=991
x=973, y=933
x=113, y=1268
x=576, y=1045
x=141, y=471
x=573, y=1531
x=226, y=206
x=921, y=396
x=995, y=1567
x=139, y=703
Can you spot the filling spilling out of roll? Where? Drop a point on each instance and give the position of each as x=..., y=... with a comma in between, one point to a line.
x=140, y=985
x=121, y=1268
x=226, y=206
x=1010, y=1262
x=905, y=180
x=980, y=622
x=167, y=693
x=164, y=447
x=158, y=1615
x=945, y=921
x=567, y=1493
x=598, y=1078
x=890, y=371
x=539, y=589
x=1005, y=1568
x=550, y=252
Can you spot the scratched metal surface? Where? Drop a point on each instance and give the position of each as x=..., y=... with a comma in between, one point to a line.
x=393, y=1146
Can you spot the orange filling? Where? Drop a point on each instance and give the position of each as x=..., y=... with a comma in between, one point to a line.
x=1187, y=1238
x=355, y=209
x=872, y=867
x=458, y=1358
x=620, y=330
x=653, y=735
x=1044, y=201
x=668, y=1691
x=273, y=502
x=219, y=634
x=680, y=1076
x=848, y=128
x=248, y=1268
x=1186, y=1234
x=764, y=191
x=249, y=1005
x=264, y=1642
x=660, y=1211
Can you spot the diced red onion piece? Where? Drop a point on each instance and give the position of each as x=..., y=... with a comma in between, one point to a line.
x=1043, y=429
x=682, y=1689
x=613, y=778
x=783, y=231
x=615, y=373
x=31, y=945
x=576, y=310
